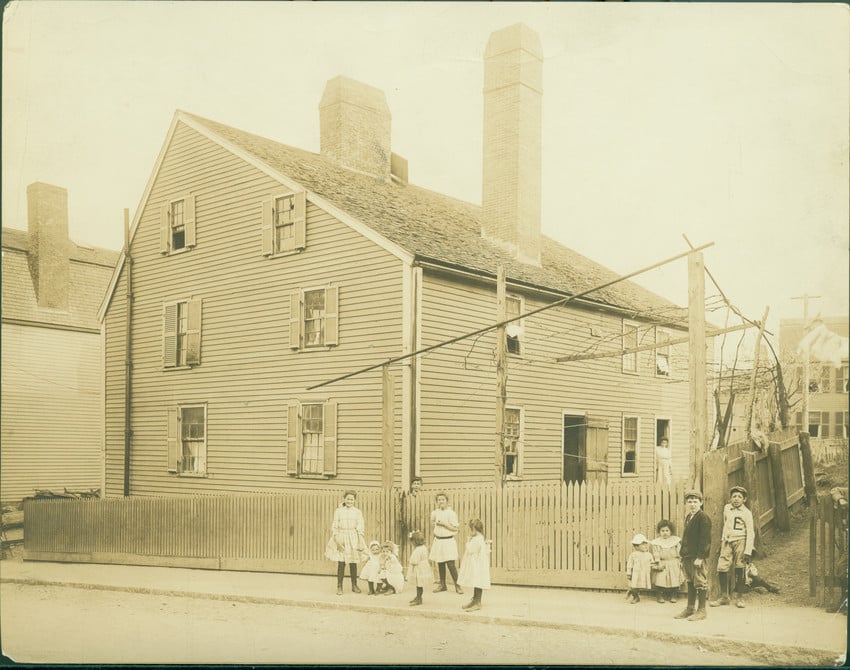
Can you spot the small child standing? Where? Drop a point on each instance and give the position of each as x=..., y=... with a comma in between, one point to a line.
x=370, y=569
x=736, y=545
x=475, y=566
x=639, y=568
x=390, y=571
x=665, y=550
x=419, y=569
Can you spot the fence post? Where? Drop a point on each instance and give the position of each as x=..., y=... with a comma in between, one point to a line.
x=751, y=481
x=780, y=497
x=808, y=470
x=715, y=492
x=813, y=546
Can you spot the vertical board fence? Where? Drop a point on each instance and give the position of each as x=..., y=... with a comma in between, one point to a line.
x=828, y=553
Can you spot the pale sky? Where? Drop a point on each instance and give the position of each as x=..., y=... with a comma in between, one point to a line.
x=724, y=122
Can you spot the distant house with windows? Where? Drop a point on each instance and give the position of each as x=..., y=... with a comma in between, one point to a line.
x=52, y=353
x=260, y=272
x=828, y=374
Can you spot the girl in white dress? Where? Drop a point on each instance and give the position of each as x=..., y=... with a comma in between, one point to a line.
x=419, y=569
x=347, y=544
x=475, y=566
x=444, y=548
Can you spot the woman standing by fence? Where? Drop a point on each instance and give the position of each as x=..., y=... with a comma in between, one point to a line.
x=347, y=543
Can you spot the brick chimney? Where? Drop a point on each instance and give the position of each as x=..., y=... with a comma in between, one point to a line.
x=354, y=124
x=511, y=192
x=49, y=246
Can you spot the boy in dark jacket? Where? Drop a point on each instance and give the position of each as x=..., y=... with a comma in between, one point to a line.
x=696, y=544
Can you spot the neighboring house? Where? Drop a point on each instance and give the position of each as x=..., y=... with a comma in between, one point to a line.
x=260, y=270
x=828, y=374
x=52, y=353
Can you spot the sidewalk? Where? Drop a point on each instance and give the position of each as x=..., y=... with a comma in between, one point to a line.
x=765, y=629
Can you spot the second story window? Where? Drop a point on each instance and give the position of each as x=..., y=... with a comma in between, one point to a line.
x=314, y=320
x=662, y=353
x=513, y=308
x=181, y=334
x=630, y=342
x=177, y=225
x=284, y=223
x=512, y=442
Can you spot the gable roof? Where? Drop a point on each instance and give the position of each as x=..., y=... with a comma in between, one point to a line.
x=90, y=272
x=440, y=229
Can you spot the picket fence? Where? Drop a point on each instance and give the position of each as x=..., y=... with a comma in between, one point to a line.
x=541, y=534
x=828, y=546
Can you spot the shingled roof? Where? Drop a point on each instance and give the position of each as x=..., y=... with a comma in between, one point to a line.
x=90, y=272
x=440, y=229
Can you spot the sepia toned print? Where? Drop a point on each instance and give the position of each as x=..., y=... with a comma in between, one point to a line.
x=483, y=292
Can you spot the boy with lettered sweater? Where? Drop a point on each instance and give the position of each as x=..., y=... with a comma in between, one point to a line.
x=736, y=545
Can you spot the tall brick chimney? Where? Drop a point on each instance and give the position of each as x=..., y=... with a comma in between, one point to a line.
x=49, y=246
x=511, y=193
x=354, y=124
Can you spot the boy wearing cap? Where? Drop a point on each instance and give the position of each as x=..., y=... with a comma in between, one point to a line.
x=736, y=545
x=696, y=543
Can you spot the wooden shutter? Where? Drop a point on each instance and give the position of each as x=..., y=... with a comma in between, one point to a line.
x=299, y=220
x=169, y=335
x=295, y=319
x=331, y=316
x=193, y=333
x=268, y=228
x=596, y=446
x=172, y=439
x=164, y=228
x=189, y=220
x=330, y=439
x=292, y=441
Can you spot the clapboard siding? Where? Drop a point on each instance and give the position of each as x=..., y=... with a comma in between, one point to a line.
x=458, y=387
x=52, y=427
x=248, y=373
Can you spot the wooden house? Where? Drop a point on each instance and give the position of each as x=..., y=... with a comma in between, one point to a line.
x=52, y=365
x=259, y=271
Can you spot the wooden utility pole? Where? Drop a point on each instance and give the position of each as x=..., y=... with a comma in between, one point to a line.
x=696, y=365
x=805, y=298
x=387, y=425
x=501, y=372
x=752, y=398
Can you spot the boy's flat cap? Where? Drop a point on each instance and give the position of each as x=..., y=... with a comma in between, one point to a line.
x=693, y=493
x=739, y=489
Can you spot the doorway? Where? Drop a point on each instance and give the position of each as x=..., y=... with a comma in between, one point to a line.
x=574, y=447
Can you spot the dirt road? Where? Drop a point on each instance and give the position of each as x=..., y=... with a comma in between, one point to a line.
x=42, y=624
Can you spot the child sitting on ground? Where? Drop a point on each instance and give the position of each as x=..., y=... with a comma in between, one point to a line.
x=639, y=568
x=665, y=550
x=370, y=569
x=390, y=571
x=419, y=569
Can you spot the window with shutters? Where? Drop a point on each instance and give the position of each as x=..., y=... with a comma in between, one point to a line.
x=841, y=427
x=512, y=444
x=630, y=342
x=284, y=224
x=177, y=225
x=314, y=321
x=662, y=353
x=841, y=384
x=825, y=384
x=311, y=439
x=818, y=423
x=187, y=440
x=181, y=334
x=630, y=445
x=513, y=331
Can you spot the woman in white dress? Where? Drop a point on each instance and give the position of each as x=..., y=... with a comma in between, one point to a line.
x=444, y=547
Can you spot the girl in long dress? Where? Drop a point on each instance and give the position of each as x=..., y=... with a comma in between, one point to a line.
x=475, y=566
x=347, y=543
x=665, y=550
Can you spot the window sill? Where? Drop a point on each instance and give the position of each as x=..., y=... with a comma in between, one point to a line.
x=287, y=252
x=307, y=350
x=176, y=252
x=513, y=478
x=312, y=476
x=629, y=475
x=633, y=373
x=179, y=367
x=193, y=475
